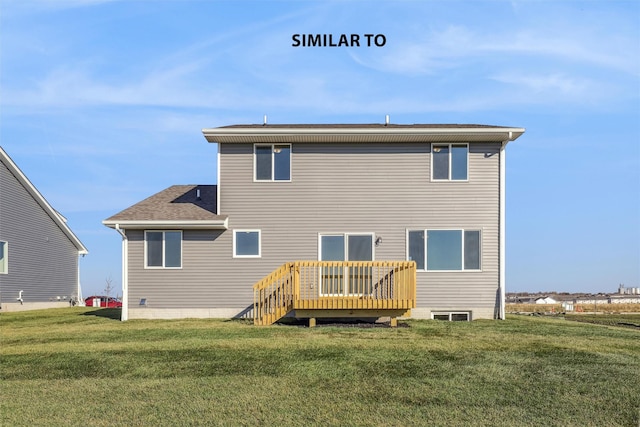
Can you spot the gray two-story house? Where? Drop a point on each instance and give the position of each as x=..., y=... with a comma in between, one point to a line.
x=327, y=220
x=39, y=254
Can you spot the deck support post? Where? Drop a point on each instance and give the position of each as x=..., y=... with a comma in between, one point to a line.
x=312, y=322
x=394, y=322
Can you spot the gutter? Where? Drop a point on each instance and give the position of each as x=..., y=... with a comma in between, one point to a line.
x=271, y=131
x=248, y=134
x=217, y=224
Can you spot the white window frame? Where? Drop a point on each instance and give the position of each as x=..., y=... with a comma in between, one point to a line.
x=450, y=314
x=346, y=255
x=259, y=255
x=146, y=250
x=450, y=145
x=273, y=168
x=346, y=242
x=4, y=268
x=426, y=254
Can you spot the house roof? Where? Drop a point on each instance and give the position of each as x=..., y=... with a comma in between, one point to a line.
x=58, y=219
x=179, y=206
x=361, y=133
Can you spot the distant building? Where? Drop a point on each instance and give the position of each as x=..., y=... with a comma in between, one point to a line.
x=546, y=300
x=628, y=291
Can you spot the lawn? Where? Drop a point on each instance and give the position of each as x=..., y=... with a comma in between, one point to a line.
x=77, y=367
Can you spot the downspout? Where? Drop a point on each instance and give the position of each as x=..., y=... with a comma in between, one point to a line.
x=79, y=290
x=218, y=210
x=502, y=230
x=125, y=274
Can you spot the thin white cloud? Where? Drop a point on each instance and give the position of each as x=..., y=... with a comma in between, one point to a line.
x=609, y=53
x=242, y=67
x=549, y=83
x=459, y=46
x=32, y=7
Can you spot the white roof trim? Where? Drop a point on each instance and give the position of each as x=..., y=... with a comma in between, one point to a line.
x=371, y=134
x=222, y=224
x=39, y=198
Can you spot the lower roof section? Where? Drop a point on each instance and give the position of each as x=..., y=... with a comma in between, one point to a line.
x=177, y=207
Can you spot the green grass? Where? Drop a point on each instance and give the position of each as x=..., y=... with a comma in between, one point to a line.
x=72, y=367
x=627, y=320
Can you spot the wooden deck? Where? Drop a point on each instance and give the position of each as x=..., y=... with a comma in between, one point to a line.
x=314, y=289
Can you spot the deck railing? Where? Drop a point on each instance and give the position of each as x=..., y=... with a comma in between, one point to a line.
x=334, y=285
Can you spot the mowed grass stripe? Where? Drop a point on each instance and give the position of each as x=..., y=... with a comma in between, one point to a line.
x=71, y=367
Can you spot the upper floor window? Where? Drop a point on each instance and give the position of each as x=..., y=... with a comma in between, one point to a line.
x=246, y=244
x=272, y=162
x=163, y=249
x=4, y=255
x=444, y=250
x=450, y=162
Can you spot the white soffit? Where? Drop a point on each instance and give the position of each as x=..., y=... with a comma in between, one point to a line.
x=267, y=134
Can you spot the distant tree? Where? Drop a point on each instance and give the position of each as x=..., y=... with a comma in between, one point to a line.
x=108, y=289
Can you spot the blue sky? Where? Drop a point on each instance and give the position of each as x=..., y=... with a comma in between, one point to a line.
x=102, y=105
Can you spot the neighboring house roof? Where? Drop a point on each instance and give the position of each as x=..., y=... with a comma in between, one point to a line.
x=179, y=206
x=58, y=219
x=361, y=133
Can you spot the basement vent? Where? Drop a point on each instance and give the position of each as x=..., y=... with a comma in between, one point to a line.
x=451, y=316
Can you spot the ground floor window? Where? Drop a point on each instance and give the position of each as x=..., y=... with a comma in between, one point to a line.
x=4, y=255
x=247, y=244
x=462, y=316
x=444, y=250
x=163, y=249
x=340, y=280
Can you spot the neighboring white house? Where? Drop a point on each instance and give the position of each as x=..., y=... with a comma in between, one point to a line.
x=546, y=300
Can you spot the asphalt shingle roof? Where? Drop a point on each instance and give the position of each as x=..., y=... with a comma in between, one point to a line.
x=176, y=203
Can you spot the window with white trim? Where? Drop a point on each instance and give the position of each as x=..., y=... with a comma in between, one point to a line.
x=449, y=162
x=247, y=243
x=341, y=280
x=4, y=257
x=444, y=250
x=163, y=249
x=272, y=162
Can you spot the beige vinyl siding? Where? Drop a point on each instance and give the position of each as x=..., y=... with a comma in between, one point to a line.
x=195, y=285
x=335, y=188
x=43, y=262
x=384, y=189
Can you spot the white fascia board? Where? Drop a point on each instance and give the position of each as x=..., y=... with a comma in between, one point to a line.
x=211, y=134
x=170, y=225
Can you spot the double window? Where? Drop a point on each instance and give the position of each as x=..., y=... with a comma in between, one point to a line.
x=340, y=280
x=450, y=162
x=444, y=250
x=4, y=257
x=346, y=247
x=247, y=244
x=272, y=162
x=163, y=249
